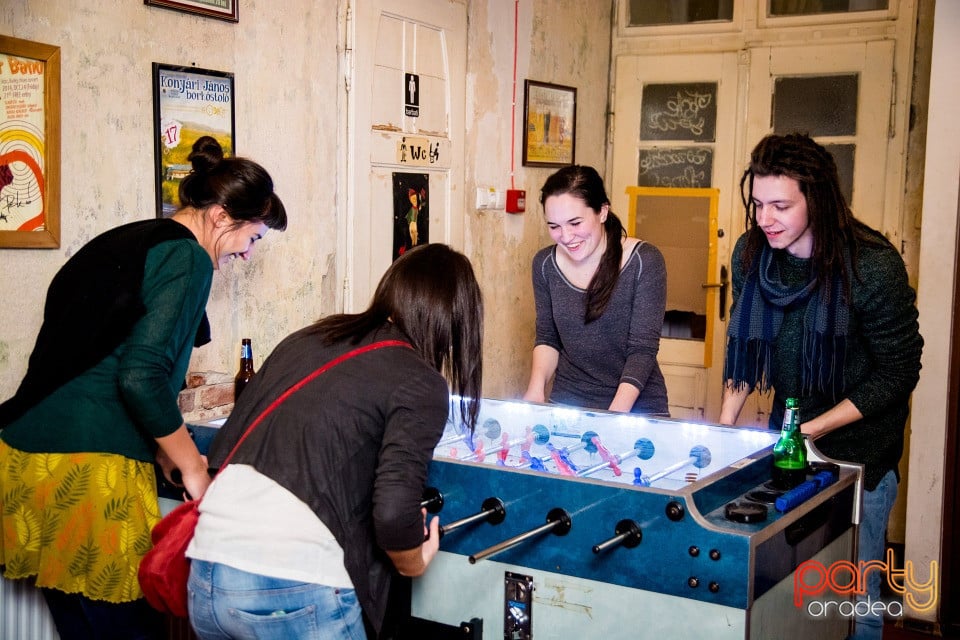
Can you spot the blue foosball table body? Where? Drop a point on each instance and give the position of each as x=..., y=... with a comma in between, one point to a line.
x=565, y=523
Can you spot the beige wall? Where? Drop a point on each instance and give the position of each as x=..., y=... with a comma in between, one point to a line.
x=285, y=66
x=285, y=60
x=938, y=308
x=564, y=42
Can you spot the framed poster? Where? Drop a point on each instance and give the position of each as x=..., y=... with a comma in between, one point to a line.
x=29, y=144
x=220, y=9
x=550, y=124
x=187, y=103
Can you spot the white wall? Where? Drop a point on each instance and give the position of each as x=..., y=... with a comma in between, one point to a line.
x=937, y=274
x=563, y=42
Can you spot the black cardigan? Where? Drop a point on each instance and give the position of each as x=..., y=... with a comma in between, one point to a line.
x=92, y=304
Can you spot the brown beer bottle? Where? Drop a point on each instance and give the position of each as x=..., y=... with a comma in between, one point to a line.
x=246, y=368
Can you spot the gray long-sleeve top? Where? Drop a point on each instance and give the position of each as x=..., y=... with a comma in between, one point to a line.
x=619, y=346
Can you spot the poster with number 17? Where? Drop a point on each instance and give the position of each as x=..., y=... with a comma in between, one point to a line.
x=187, y=103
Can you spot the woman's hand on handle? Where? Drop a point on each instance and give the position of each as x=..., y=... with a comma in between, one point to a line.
x=413, y=562
x=178, y=452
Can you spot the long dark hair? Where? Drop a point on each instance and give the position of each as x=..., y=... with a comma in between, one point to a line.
x=833, y=225
x=585, y=183
x=239, y=185
x=431, y=294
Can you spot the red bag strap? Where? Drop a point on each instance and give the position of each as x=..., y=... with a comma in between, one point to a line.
x=306, y=380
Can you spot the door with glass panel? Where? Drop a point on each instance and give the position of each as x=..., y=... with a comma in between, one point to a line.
x=673, y=143
x=689, y=122
x=842, y=96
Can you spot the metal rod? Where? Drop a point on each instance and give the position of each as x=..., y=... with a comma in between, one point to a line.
x=511, y=542
x=557, y=519
x=668, y=470
x=603, y=465
x=452, y=439
x=603, y=546
x=456, y=524
x=627, y=533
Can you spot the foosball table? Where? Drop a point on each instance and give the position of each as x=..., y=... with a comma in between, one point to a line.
x=558, y=522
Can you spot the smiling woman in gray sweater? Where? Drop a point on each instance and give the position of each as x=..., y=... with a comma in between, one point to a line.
x=600, y=299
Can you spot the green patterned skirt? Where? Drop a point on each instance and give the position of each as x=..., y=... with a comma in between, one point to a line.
x=79, y=522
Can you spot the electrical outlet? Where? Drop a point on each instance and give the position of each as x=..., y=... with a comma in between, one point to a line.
x=490, y=198
x=482, y=198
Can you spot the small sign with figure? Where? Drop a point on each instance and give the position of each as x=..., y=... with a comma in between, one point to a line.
x=411, y=95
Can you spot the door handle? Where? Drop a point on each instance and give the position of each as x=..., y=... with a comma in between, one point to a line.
x=722, y=285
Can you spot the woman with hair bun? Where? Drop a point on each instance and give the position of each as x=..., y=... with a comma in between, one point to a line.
x=98, y=404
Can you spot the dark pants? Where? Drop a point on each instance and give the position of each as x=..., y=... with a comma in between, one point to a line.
x=80, y=618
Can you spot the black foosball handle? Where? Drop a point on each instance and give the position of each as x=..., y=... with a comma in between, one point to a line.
x=432, y=500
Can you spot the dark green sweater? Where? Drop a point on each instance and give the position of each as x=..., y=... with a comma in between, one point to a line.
x=882, y=365
x=130, y=397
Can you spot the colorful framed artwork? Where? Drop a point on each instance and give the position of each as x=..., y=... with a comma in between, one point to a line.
x=550, y=124
x=29, y=144
x=220, y=9
x=188, y=103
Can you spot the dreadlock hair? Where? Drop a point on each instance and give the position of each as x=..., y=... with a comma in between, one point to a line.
x=585, y=183
x=834, y=227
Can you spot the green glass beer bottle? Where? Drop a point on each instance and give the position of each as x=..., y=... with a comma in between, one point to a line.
x=790, y=452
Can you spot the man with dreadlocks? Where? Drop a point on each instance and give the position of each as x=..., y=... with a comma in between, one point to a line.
x=823, y=312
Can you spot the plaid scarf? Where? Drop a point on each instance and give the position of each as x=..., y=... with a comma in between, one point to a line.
x=755, y=324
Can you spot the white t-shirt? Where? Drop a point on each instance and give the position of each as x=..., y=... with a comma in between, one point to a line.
x=242, y=508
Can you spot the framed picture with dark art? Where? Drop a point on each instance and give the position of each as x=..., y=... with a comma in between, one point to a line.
x=411, y=211
x=220, y=9
x=550, y=124
x=29, y=144
x=188, y=103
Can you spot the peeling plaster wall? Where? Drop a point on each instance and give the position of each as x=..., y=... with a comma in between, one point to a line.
x=564, y=42
x=284, y=57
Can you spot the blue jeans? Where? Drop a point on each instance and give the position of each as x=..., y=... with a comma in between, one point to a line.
x=228, y=603
x=872, y=542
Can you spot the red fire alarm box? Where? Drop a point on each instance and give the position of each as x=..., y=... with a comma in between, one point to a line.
x=516, y=200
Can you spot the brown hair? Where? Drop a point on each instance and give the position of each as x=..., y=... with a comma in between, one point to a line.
x=585, y=183
x=239, y=185
x=833, y=225
x=432, y=295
